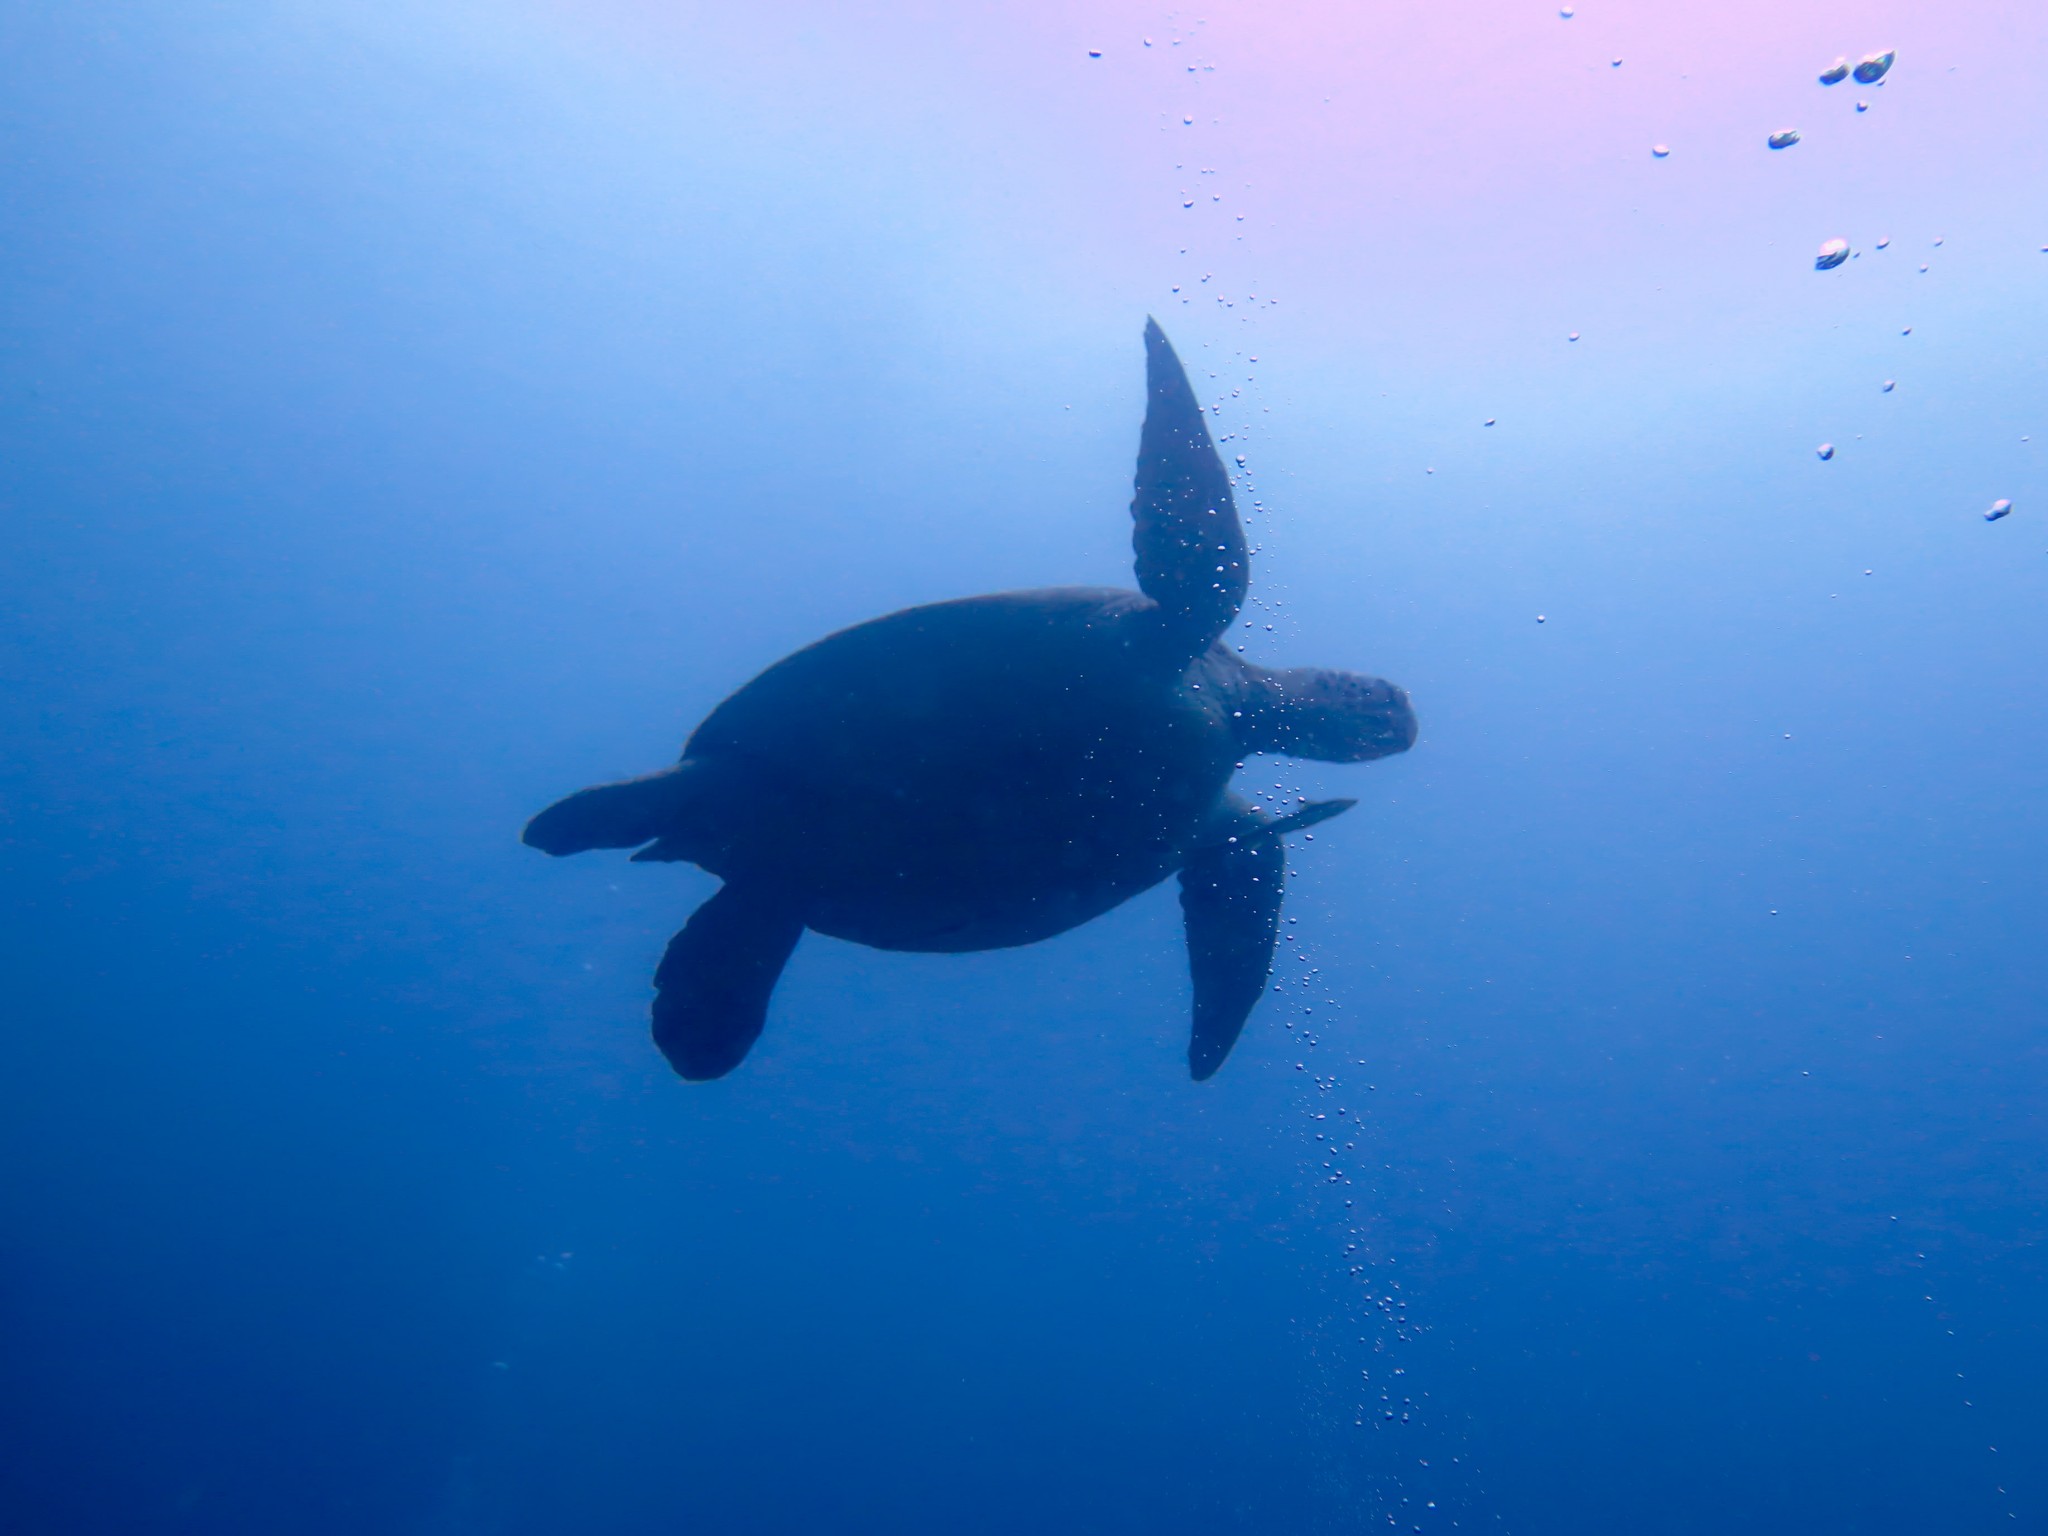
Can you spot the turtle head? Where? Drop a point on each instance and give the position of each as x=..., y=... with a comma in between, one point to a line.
x=1331, y=716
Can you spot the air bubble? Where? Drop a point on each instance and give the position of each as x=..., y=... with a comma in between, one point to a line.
x=1997, y=509
x=1835, y=73
x=1872, y=66
x=1825, y=451
x=1832, y=254
x=1661, y=151
x=1784, y=138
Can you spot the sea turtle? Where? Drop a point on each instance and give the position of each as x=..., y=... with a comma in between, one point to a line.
x=994, y=770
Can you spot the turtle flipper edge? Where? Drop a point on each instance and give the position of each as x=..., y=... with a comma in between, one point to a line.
x=714, y=980
x=1191, y=555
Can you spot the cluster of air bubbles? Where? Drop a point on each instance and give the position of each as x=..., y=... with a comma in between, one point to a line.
x=1868, y=70
x=1382, y=1314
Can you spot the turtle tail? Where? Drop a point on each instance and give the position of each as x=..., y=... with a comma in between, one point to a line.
x=622, y=815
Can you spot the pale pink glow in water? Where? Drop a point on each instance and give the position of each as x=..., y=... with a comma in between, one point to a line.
x=1407, y=210
x=1349, y=154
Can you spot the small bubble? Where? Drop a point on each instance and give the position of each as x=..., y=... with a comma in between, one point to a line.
x=1997, y=509
x=1614, y=63
x=1784, y=138
x=1890, y=385
x=1835, y=73
x=1832, y=254
x=1094, y=53
x=1825, y=451
x=1883, y=241
x=1872, y=66
x=1661, y=151
x=1574, y=336
x=1488, y=421
x=1566, y=12
x=1240, y=461
x=1907, y=331
x=1937, y=240
x=1187, y=122
x=1862, y=106
x=1540, y=619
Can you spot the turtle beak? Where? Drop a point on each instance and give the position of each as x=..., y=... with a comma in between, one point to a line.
x=1379, y=723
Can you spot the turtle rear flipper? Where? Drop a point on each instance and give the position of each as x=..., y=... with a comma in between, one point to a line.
x=622, y=815
x=1191, y=556
x=714, y=981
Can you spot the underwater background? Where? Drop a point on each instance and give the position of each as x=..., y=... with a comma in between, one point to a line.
x=410, y=413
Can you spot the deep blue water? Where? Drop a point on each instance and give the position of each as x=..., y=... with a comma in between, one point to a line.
x=395, y=435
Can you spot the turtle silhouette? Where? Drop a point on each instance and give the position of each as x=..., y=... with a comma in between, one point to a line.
x=995, y=770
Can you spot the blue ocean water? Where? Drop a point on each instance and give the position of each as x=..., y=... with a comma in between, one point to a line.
x=410, y=417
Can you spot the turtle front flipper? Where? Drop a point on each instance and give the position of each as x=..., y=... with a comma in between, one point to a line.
x=1230, y=897
x=1191, y=556
x=714, y=981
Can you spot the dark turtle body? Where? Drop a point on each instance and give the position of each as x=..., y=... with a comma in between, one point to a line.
x=996, y=770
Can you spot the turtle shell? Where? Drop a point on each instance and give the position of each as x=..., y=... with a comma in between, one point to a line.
x=972, y=774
